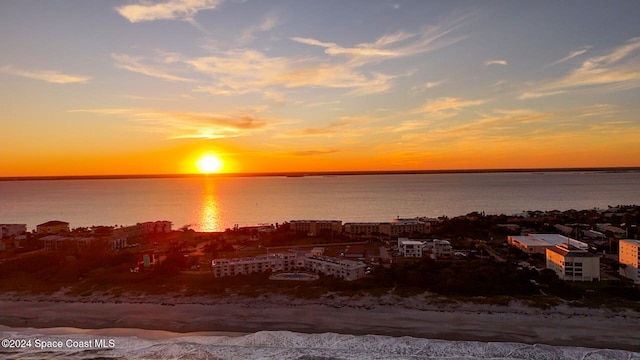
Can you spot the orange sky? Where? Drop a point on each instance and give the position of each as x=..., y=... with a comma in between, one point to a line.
x=149, y=88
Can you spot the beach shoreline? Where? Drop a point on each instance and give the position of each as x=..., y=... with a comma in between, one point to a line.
x=365, y=315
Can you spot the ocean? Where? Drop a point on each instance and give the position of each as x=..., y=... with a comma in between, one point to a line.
x=281, y=345
x=216, y=203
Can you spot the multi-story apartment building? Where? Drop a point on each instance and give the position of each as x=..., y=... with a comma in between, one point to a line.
x=400, y=227
x=255, y=264
x=410, y=248
x=65, y=243
x=52, y=227
x=442, y=248
x=315, y=227
x=368, y=229
x=629, y=257
x=340, y=268
x=343, y=269
x=155, y=227
x=573, y=264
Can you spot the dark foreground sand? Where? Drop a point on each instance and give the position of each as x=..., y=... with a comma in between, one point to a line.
x=365, y=315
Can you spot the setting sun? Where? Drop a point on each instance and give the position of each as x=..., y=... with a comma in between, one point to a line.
x=209, y=164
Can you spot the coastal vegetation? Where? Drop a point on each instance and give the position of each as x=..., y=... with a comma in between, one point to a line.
x=491, y=271
x=483, y=281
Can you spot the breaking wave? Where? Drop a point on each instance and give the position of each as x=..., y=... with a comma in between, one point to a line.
x=281, y=345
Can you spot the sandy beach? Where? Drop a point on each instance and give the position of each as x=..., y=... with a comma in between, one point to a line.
x=385, y=315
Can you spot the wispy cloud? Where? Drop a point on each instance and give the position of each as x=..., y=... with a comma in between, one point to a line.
x=425, y=86
x=572, y=55
x=245, y=71
x=268, y=23
x=446, y=104
x=539, y=94
x=51, y=76
x=598, y=110
x=169, y=10
x=617, y=70
x=394, y=45
x=135, y=64
x=331, y=128
x=183, y=125
x=495, y=62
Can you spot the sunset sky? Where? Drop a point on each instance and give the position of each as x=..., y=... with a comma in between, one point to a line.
x=93, y=87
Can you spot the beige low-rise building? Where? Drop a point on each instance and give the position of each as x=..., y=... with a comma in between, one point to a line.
x=340, y=268
x=254, y=264
x=53, y=227
x=629, y=257
x=316, y=227
x=573, y=264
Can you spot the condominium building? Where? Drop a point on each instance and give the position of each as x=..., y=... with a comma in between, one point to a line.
x=316, y=227
x=155, y=227
x=343, y=269
x=573, y=264
x=410, y=248
x=254, y=264
x=65, y=243
x=441, y=248
x=629, y=257
x=52, y=227
x=401, y=227
x=368, y=229
x=340, y=268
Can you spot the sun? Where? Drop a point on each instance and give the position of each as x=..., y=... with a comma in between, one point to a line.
x=209, y=164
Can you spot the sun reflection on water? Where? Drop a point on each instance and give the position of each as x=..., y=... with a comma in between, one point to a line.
x=209, y=209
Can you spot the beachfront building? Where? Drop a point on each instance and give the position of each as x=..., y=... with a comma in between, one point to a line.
x=52, y=227
x=400, y=227
x=155, y=227
x=573, y=264
x=56, y=242
x=539, y=243
x=629, y=257
x=368, y=229
x=12, y=230
x=340, y=268
x=254, y=264
x=316, y=227
x=440, y=248
x=410, y=248
x=121, y=236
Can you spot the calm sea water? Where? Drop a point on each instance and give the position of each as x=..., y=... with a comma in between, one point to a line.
x=213, y=204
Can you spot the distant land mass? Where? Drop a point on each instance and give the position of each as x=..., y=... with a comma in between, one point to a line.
x=318, y=173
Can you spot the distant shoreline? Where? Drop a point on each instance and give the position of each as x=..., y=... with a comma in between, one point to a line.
x=319, y=173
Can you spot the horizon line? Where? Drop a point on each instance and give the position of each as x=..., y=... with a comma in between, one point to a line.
x=317, y=173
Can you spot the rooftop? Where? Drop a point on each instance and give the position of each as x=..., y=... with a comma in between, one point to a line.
x=548, y=240
x=570, y=251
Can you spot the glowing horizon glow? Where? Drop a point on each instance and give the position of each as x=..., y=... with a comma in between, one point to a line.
x=209, y=164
